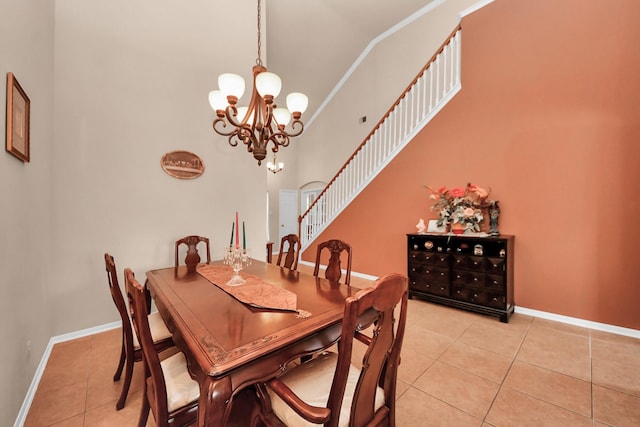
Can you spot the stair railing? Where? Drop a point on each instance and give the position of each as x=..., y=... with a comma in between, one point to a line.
x=434, y=86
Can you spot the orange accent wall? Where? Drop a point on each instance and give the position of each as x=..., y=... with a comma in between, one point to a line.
x=549, y=118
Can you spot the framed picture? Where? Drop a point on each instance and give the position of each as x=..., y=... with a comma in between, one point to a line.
x=18, y=106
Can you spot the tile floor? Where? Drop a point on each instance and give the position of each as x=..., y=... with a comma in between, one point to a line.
x=458, y=369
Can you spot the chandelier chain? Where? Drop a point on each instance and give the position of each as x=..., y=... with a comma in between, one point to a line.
x=258, y=60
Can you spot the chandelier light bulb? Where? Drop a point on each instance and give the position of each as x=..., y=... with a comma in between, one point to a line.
x=268, y=84
x=282, y=116
x=217, y=100
x=297, y=102
x=231, y=85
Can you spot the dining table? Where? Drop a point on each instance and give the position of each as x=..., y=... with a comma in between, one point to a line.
x=234, y=337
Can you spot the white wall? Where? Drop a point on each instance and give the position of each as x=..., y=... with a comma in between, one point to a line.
x=113, y=85
x=26, y=49
x=131, y=83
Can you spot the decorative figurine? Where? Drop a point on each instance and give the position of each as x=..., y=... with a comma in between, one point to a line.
x=494, y=213
x=420, y=226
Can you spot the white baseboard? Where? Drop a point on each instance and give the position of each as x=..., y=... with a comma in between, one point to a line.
x=28, y=399
x=619, y=330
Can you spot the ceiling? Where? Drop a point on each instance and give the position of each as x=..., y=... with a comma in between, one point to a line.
x=312, y=43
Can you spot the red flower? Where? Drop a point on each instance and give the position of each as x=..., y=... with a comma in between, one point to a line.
x=457, y=192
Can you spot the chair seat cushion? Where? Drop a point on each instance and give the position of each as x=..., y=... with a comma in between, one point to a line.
x=181, y=389
x=158, y=328
x=311, y=381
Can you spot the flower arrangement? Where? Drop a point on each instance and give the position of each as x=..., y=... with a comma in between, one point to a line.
x=460, y=205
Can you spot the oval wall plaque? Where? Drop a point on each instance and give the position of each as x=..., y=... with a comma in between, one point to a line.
x=182, y=164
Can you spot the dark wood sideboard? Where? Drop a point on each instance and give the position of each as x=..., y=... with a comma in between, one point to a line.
x=469, y=272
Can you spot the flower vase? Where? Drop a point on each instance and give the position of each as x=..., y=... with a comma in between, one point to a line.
x=457, y=228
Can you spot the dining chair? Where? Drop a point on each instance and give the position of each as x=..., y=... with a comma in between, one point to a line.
x=169, y=391
x=329, y=389
x=291, y=254
x=130, y=351
x=192, y=258
x=333, y=271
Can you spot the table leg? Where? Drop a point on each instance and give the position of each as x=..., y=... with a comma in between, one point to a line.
x=215, y=398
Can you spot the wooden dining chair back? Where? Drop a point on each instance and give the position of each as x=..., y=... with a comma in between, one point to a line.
x=358, y=395
x=335, y=249
x=290, y=255
x=169, y=391
x=192, y=257
x=130, y=350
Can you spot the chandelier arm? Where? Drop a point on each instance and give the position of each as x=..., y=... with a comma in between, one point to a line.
x=231, y=114
x=294, y=125
x=279, y=139
x=221, y=130
x=246, y=136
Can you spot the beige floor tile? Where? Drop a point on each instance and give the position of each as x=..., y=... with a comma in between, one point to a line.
x=416, y=310
x=615, y=408
x=518, y=322
x=101, y=388
x=401, y=387
x=495, y=338
x=514, y=409
x=441, y=320
x=76, y=421
x=56, y=405
x=426, y=342
x=545, y=323
x=607, y=336
x=478, y=361
x=413, y=363
x=68, y=364
x=558, y=389
x=616, y=364
x=559, y=351
x=418, y=409
x=461, y=389
x=107, y=416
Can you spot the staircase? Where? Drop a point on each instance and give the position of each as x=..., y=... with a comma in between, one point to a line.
x=435, y=85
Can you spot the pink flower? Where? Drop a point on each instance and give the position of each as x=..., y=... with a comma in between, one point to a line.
x=457, y=192
x=469, y=212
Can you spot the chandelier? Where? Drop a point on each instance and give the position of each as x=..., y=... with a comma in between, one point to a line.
x=262, y=121
x=275, y=166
